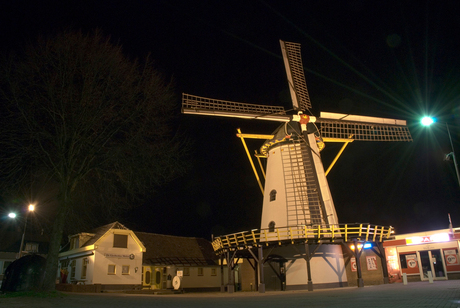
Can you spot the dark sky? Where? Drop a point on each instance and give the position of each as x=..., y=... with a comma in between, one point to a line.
x=394, y=59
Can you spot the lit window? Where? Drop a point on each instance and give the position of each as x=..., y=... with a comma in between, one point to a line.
x=111, y=269
x=31, y=247
x=84, y=267
x=120, y=241
x=200, y=271
x=273, y=195
x=72, y=268
x=125, y=270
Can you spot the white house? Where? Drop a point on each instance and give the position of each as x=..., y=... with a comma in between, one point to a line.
x=112, y=257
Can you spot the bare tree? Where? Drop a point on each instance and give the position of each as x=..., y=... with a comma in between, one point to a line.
x=92, y=123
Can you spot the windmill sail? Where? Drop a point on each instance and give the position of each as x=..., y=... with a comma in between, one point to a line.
x=362, y=128
x=295, y=75
x=192, y=104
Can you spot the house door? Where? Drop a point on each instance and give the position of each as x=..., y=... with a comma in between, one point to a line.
x=157, y=278
x=147, y=281
x=431, y=260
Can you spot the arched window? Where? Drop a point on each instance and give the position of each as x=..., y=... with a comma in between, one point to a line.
x=271, y=226
x=273, y=195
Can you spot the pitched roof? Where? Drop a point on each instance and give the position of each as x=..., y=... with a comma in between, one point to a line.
x=100, y=231
x=176, y=250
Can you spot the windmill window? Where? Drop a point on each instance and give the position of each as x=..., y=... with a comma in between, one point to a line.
x=271, y=226
x=273, y=195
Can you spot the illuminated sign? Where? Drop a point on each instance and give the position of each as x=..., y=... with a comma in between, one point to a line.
x=439, y=237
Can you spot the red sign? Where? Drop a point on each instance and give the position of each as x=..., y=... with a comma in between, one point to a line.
x=354, y=268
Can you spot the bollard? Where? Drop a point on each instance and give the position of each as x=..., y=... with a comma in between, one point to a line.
x=404, y=278
x=430, y=276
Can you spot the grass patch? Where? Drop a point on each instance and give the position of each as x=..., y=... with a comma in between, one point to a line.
x=52, y=294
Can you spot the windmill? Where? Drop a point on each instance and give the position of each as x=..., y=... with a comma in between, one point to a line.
x=296, y=191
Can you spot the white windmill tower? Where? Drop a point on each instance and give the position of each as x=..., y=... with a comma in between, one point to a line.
x=296, y=190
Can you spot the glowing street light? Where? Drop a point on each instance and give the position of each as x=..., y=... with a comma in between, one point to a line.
x=12, y=215
x=427, y=121
x=31, y=209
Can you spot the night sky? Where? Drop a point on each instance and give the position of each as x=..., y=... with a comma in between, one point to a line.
x=396, y=59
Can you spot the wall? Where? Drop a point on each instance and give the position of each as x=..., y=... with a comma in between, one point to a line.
x=205, y=281
x=247, y=276
x=327, y=267
x=106, y=254
x=371, y=269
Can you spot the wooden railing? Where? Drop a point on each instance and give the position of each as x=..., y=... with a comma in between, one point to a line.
x=345, y=232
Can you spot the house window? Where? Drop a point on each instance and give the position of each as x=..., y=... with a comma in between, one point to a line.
x=273, y=195
x=31, y=247
x=271, y=226
x=120, y=241
x=111, y=269
x=5, y=266
x=74, y=243
x=186, y=271
x=84, y=266
x=72, y=268
x=125, y=270
x=200, y=271
x=213, y=272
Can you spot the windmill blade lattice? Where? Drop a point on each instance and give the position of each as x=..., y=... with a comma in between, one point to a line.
x=295, y=75
x=362, y=128
x=192, y=104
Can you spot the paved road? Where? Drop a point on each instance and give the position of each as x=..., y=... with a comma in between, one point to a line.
x=417, y=294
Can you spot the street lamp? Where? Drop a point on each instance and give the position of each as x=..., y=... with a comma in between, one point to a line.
x=427, y=121
x=31, y=209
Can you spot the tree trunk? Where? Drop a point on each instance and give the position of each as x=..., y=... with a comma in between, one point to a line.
x=49, y=281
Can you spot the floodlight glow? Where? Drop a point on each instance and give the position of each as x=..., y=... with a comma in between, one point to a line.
x=427, y=121
x=12, y=215
x=366, y=246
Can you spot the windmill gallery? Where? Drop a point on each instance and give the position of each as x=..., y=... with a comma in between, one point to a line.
x=300, y=240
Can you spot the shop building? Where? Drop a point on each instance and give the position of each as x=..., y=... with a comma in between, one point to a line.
x=424, y=255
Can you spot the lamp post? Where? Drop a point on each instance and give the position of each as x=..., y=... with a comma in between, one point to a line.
x=427, y=121
x=31, y=209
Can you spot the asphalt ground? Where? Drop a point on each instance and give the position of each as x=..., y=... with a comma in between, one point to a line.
x=415, y=294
